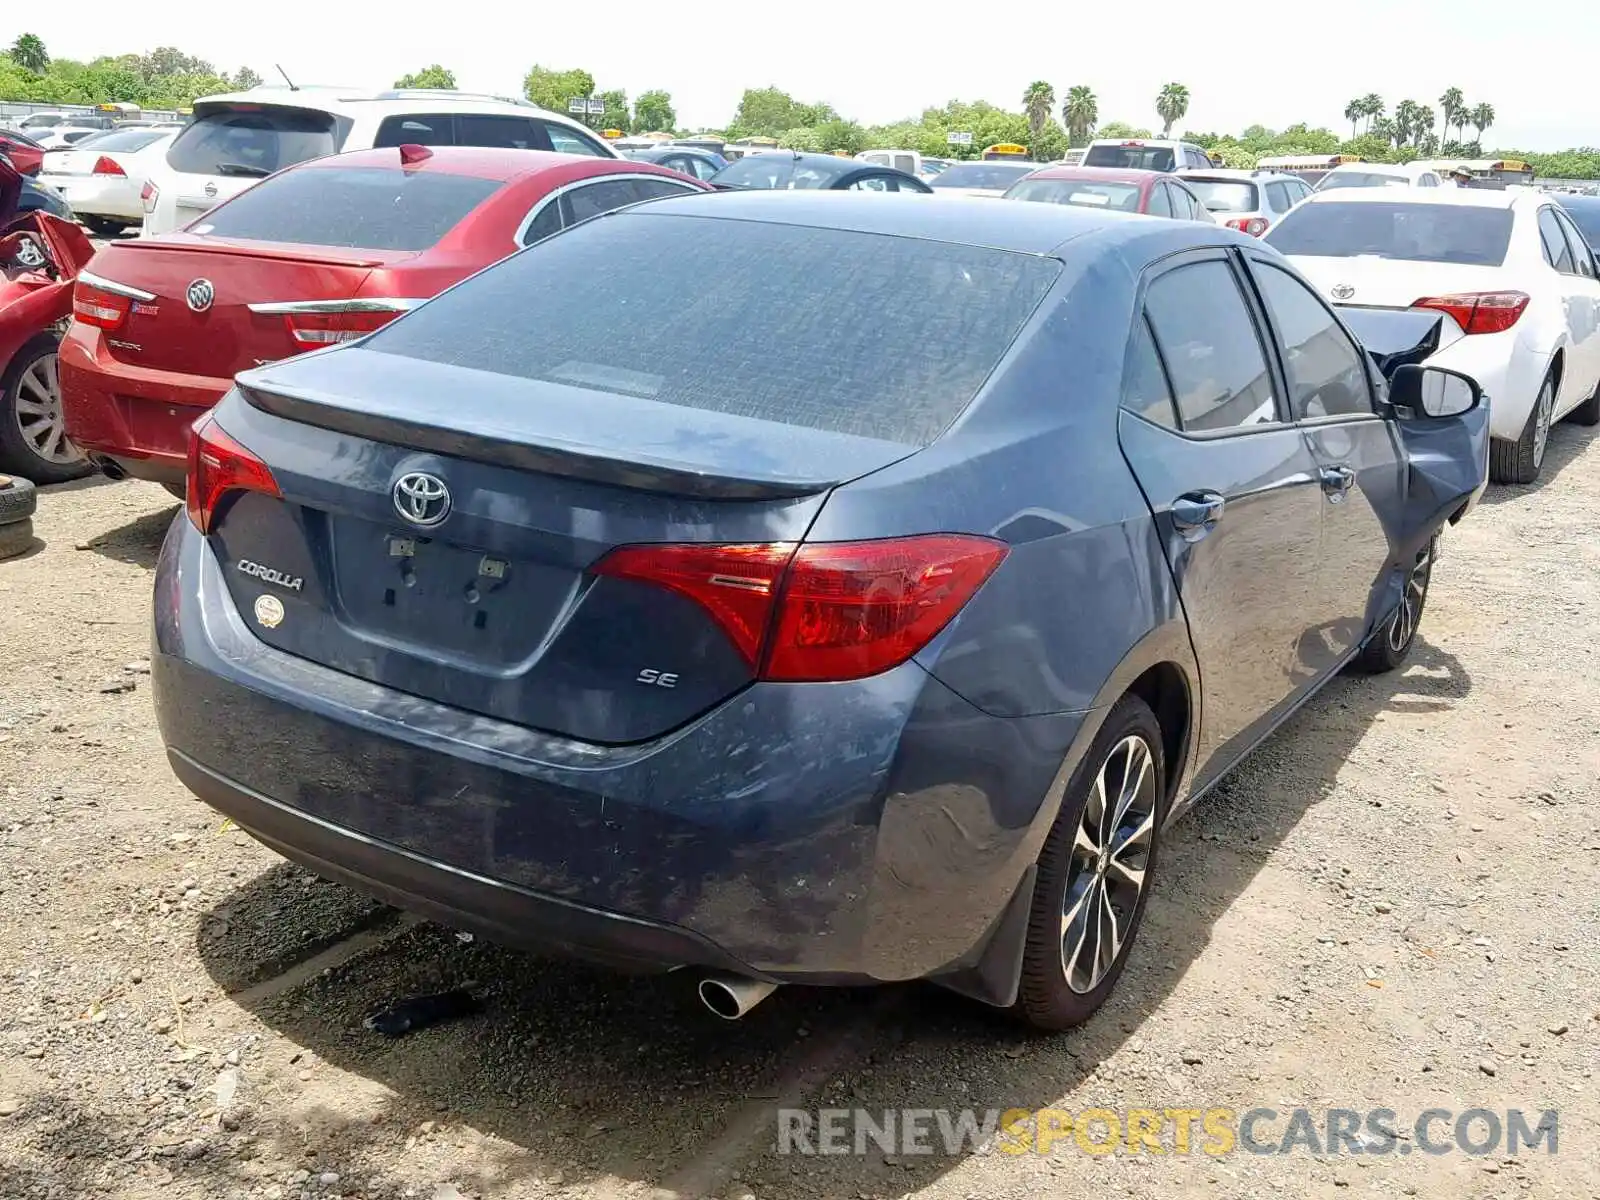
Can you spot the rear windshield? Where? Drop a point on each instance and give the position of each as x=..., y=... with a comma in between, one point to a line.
x=129, y=140
x=1131, y=158
x=367, y=208
x=1586, y=215
x=254, y=140
x=1445, y=233
x=857, y=333
x=1363, y=179
x=1084, y=194
x=1225, y=196
x=998, y=176
x=778, y=171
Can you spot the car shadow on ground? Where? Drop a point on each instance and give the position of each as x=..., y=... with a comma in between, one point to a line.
x=139, y=541
x=578, y=1071
x=1567, y=444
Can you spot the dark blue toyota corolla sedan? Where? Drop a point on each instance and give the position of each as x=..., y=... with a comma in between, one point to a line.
x=798, y=587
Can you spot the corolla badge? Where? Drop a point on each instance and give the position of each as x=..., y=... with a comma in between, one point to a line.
x=421, y=498
x=200, y=294
x=1342, y=291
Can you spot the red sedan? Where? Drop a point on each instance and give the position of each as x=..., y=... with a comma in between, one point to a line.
x=322, y=252
x=1154, y=193
x=26, y=155
x=39, y=255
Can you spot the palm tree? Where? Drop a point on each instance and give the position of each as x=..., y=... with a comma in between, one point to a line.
x=1171, y=105
x=1353, y=112
x=1081, y=113
x=1372, y=107
x=1453, y=106
x=1422, y=125
x=28, y=53
x=1480, y=118
x=1405, y=121
x=1385, y=128
x=1038, y=102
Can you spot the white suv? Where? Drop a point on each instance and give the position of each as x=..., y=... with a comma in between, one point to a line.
x=240, y=137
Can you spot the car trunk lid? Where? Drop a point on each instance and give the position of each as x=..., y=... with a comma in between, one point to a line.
x=450, y=553
x=1370, y=281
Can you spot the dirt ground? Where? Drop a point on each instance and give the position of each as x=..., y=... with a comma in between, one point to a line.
x=1392, y=905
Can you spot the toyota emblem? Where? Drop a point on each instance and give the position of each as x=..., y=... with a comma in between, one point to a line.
x=1343, y=291
x=200, y=295
x=421, y=499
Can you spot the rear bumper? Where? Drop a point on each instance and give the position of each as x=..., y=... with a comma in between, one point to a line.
x=115, y=197
x=135, y=416
x=1508, y=372
x=851, y=833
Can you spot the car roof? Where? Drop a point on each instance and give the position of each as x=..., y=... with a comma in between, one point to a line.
x=482, y=162
x=385, y=102
x=1464, y=197
x=1233, y=174
x=1042, y=229
x=1108, y=174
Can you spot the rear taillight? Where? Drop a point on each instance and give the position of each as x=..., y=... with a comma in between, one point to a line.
x=1479, y=312
x=108, y=166
x=98, y=307
x=313, y=323
x=1254, y=226
x=219, y=465
x=148, y=195
x=825, y=611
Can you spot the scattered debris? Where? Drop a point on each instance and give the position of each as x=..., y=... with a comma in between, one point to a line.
x=406, y=1016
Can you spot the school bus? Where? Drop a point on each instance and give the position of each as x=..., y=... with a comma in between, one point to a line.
x=749, y=145
x=1310, y=167
x=611, y=135
x=1495, y=170
x=1005, y=151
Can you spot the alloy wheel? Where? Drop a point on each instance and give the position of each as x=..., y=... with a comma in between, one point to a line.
x=1404, y=626
x=1110, y=854
x=1541, y=421
x=38, y=413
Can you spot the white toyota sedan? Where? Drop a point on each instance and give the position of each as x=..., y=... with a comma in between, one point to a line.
x=1519, y=285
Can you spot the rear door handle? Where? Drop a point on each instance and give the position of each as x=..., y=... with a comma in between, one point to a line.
x=1336, y=481
x=1196, y=513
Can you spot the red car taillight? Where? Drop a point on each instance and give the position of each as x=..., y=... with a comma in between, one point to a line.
x=148, y=195
x=108, y=166
x=824, y=611
x=1254, y=226
x=219, y=465
x=313, y=323
x=1479, y=312
x=98, y=307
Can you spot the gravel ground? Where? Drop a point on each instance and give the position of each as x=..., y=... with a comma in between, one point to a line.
x=1390, y=905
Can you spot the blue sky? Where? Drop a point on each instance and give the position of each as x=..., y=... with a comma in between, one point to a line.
x=1273, y=63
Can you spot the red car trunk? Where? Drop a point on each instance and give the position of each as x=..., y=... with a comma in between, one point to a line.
x=199, y=319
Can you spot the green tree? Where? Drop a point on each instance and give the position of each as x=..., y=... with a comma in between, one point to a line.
x=1121, y=129
x=1453, y=107
x=1372, y=107
x=1481, y=117
x=842, y=135
x=28, y=52
x=652, y=112
x=1037, y=104
x=617, y=114
x=164, y=62
x=550, y=88
x=1405, y=121
x=1353, y=112
x=766, y=112
x=429, y=77
x=1171, y=106
x=244, y=79
x=1422, y=125
x=1081, y=112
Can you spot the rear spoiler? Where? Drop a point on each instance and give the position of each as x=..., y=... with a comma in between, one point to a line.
x=559, y=429
x=1395, y=337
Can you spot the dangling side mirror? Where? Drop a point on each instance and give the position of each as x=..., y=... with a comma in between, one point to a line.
x=1418, y=392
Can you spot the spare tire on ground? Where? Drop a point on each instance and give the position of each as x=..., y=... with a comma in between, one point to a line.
x=15, y=537
x=18, y=500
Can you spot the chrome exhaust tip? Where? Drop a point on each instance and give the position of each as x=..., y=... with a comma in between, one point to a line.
x=731, y=996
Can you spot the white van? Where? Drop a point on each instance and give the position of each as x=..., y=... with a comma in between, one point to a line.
x=238, y=138
x=908, y=161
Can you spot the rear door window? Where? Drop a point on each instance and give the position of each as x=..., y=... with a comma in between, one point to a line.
x=1160, y=205
x=1449, y=233
x=881, y=337
x=255, y=141
x=368, y=208
x=417, y=129
x=1145, y=389
x=511, y=133
x=1278, y=198
x=1208, y=341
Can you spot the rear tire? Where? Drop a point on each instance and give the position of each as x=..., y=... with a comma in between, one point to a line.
x=1519, y=461
x=33, y=440
x=104, y=226
x=15, y=538
x=1391, y=643
x=1095, y=872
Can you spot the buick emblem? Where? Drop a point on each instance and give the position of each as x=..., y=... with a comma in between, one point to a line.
x=1343, y=291
x=421, y=498
x=200, y=295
